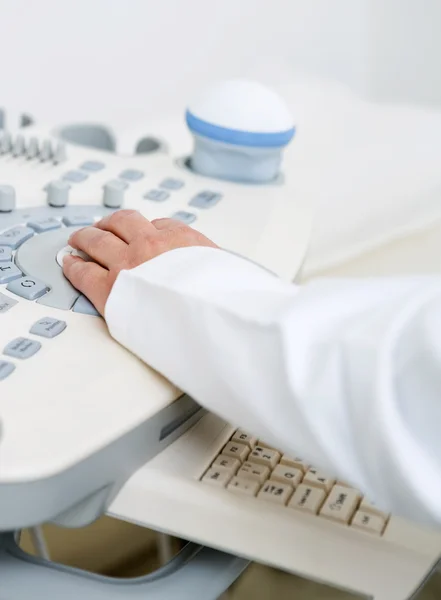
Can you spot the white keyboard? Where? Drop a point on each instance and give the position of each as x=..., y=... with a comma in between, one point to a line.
x=221, y=487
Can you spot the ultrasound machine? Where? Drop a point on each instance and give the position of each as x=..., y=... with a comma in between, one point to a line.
x=87, y=429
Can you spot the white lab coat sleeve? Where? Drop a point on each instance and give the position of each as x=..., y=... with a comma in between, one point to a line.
x=345, y=373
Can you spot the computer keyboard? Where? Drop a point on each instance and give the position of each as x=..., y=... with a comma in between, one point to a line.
x=248, y=466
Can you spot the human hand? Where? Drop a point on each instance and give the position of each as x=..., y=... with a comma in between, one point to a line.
x=122, y=240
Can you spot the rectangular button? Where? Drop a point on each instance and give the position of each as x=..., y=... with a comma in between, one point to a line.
x=307, y=498
x=157, y=195
x=278, y=493
x=75, y=176
x=92, y=165
x=318, y=479
x=368, y=522
x=235, y=450
x=28, y=288
x=287, y=475
x=264, y=456
x=341, y=504
x=243, y=437
x=78, y=221
x=217, y=477
x=296, y=462
x=251, y=471
x=42, y=225
x=370, y=507
x=22, y=348
x=48, y=327
x=131, y=175
x=184, y=217
x=5, y=254
x=227, y=463
x=6, y=303
x=171, y=184
x=14, y=237
x=248, y=487
x=6, y=368
x=205, y=199
x=9, y=272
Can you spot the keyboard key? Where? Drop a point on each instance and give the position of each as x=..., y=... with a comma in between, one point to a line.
x=368, y=522
x=85, y=307
x=235, y=450
x=48, y=327
x=5, y=254
x=264, y=456
x=157, y=195
x=9, y=272
x=78, y=221
x=308, y=499
x=6, y=303
x=28, y=288
x=275, y=492
x=131, y=175
x=341, y=504
x=13, y=238
x=318, y=479
x=22, y=348
x=296, y=462
x=248, y=487
x=251, y=471
x=287, y=475
x=227, y=463
x=217, y=477
x=265, y=445
x=6, y=368
x=172, y=184
x=42, y=225
x=370, y=507
x=185, y=217
x=205, y=199
x=75, y=176
x=92, y=165
x=244, y=438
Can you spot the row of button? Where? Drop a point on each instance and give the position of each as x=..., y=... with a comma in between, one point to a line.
x=16, y=236
x=18, y=147
x=22, y=347
x=205, y=199
x=250, y=468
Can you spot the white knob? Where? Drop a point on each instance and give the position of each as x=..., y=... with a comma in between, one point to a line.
x=7, y=198
x=58, y=193
x=240, y=129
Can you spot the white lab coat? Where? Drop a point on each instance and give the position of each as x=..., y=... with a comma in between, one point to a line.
x=345, y=373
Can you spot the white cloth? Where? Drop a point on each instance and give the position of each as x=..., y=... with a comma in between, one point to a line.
x=345, y=373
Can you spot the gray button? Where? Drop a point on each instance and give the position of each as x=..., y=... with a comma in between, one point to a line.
x=185, y=217
x=48, y=327
x=22, y=347
x=75, y=176
x=15, y=237
x=131, y=175
x=205, y=199
x=38, y=256
x=57, y=193
x=6, y=303
x=5, y=254
x=6, y=368
x=92, y=165
x=28, y=288
x=60, y=154
x=9, y=272
x=113, y=196
x=44, y=224
x=172, y=184
x=7, y=198
x=84, y=306
x=157, y=195
x=78, y=221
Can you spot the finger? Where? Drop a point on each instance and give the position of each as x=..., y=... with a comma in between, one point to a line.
x=90, y=279
x=126, y=224
x=102, y=246
x=163, y=224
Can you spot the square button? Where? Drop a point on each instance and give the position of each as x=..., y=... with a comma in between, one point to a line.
x=5, y=254
x=28, y=288
x=22, y=348
x=185, y=217
x=75, y=176
x=131, y=175
x=42, y=225
x=9, y=272
x=171, y=184
x=48, y=327
x=6, y=368
x=205, y=199
x=157, y=195
x=92, y=166
x=78, y=221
